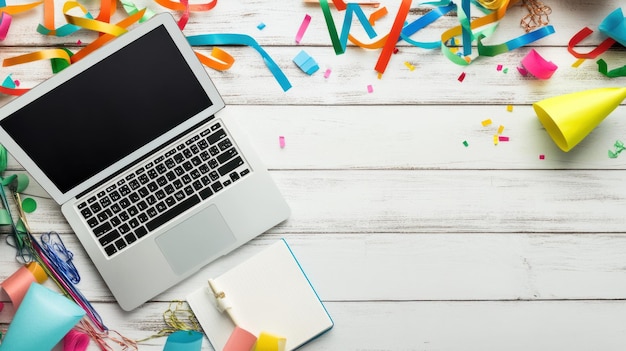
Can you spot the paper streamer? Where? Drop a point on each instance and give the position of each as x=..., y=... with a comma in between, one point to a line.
x=17, y=285
x=242, y=39
x=538, y=66
x=184, y=340
x=614, y=73
x=340, y=42
x=41, y=321
x=394, y=35
x=580, y=36
x=303, y=27
x=240, y=340
x=614, y=26
x=75, y=341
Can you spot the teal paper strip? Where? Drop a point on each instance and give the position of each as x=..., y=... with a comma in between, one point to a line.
x=244, y=40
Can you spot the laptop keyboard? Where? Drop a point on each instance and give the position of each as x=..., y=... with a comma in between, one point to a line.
x=142, y=199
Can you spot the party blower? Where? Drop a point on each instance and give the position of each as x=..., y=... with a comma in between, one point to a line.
x=569, y=118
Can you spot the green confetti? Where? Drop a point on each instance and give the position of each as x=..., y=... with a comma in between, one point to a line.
x=29, y=205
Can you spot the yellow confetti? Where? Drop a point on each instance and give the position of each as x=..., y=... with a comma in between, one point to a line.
x=380, y=75
x=509, y=108
x=578, y=62
x=410, y=66
x=500, y=129
x=486, y=122
x=496, y=139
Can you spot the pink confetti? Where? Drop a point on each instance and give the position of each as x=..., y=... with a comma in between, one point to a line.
x=78, y=42
x=281, y=141
x=327, y=73
x=542, y=157
x=370, y=88
x=461, y=77
x=499, y=68
x=522, y=71
x=303, y=27
x=395, y=50
x=503, y=138
x=17, y=83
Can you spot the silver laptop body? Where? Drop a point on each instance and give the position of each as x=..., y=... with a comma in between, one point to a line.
x=153, y=180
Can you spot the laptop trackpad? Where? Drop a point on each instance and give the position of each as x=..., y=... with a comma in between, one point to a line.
x=190, y=243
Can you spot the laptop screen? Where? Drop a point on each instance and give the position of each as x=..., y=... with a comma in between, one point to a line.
x=109, y=110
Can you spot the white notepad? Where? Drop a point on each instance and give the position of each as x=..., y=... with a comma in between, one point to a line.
x=269, y=293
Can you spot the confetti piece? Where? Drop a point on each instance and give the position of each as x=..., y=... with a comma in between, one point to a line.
x=379, y=75
x=78, y=42
x=503, y=138
x=327, y=73
x=303, y=26
x=261, y=26
x=509, y=108
x=465, y=143
x=500, y=129
x=578, y=62
x=370, y=88
x=499, y=68
x=495, y=140
x=409, y=66
x=281, y=141
x=29, y=205
x=395, y=51
x=542, y=157
x=306, y=63
x=17, y=83
x=461, y=77
x=506, y=70
x=619, y=147
x=486, y=122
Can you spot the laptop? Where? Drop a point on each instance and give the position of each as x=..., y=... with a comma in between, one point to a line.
x=151, y=173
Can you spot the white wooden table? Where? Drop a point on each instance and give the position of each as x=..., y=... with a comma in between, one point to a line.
x=413, y=241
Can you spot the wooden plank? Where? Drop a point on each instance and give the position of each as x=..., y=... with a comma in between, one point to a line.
x=438, y=201
x=249, y=81
x=513, y=325
x=429, y=266
x=411, y=138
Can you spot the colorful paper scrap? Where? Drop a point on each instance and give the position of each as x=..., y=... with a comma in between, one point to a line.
x=306, y=63
x=486, y=122
x=327, y=73
x=370, y=88
x=303, y=26
x=538, y=66
x=281, y=142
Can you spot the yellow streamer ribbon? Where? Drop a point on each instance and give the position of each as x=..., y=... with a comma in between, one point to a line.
x=92, y=24
x=35, y=56
x=15, y=9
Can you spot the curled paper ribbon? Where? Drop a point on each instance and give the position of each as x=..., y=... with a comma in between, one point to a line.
x=580, y=36
x=242, y=39
x=41, y=321
x=17, y=285
x=538, y=66
x=614, y=73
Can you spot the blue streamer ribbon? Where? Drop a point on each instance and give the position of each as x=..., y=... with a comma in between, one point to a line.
x=422, y=23
x=243, y=40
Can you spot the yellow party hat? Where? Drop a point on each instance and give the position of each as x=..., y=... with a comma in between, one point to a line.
x=569, y=118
